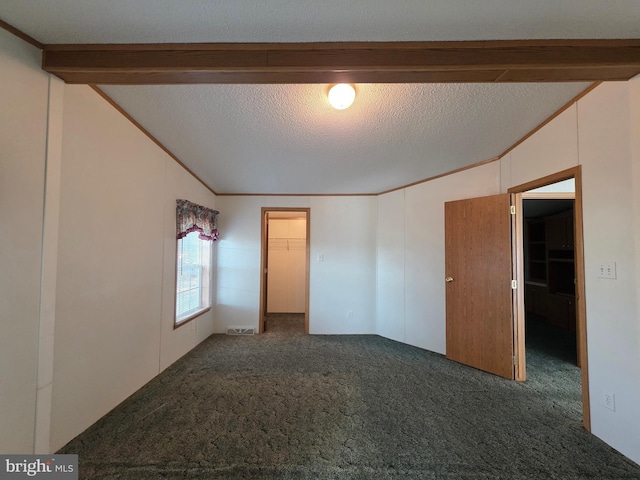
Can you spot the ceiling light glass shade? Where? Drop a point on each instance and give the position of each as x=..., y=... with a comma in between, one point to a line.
x=341, y=96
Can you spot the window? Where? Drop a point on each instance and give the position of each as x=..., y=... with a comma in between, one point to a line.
x=196, y=230
x=193, y=277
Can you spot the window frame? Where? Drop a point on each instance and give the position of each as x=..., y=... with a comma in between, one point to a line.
x=209, y=280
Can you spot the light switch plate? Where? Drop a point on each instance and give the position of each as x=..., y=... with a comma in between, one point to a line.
x=609, y=401
x=607, y=270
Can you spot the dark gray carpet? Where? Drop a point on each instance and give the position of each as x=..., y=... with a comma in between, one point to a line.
x=285, y=323
x=279, y=406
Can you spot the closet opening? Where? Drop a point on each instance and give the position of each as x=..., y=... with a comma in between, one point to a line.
x=284, y=299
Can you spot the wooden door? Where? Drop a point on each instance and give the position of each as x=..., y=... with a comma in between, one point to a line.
x=479, y=295
x=265, y=272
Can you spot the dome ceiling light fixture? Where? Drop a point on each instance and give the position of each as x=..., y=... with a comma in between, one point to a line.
x=341, y=95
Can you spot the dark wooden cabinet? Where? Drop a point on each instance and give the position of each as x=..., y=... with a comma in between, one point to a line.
x=550, y=269
x=562, y=276
x=535, y=251
x=562, y=311
x=536, y=299
x=559, y=229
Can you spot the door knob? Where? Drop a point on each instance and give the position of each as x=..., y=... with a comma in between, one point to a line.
x=448, y=279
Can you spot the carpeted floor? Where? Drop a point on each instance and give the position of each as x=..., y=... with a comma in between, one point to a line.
x=295, y=406
x=285, y=323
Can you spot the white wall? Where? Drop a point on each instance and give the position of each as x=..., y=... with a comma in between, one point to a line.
x=610, y=228
x=23, y=116
x=633, y=327
x=601, y=134
x=410, y=289
x=390, y=275
x=87, y=222
x=343, y=232
x=109, y=274
x=116, y=264
x=549, y=150
x=634, y=100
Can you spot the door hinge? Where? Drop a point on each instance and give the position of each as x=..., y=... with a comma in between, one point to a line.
x=514, y=284
x=515, y=360
x=513, y=209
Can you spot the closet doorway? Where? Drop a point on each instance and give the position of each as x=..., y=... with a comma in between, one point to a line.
x=284, y=297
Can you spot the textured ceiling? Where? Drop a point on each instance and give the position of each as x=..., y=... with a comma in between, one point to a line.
x=287, y=139
x=161, y=21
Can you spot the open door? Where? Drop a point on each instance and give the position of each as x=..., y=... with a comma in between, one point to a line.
x=480, y=298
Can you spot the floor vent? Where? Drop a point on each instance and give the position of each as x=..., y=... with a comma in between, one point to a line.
x=241, y=331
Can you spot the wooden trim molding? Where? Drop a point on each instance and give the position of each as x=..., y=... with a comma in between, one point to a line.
x=353, y=62
x=567, y=174
x=567, y=105
x=548, y=195
x=20, y=34
x=188, y=319
x=517, y=265
x=557, y=113
x=435, y=177
x=299, y=194
x=151, y=137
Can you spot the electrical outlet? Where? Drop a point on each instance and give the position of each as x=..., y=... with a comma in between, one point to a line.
x=350, y=314
x=609, y=401
x=607, y=270
x=320, y=257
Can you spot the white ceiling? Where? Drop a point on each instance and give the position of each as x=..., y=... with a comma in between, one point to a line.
x=286, y=138
x=161, y=21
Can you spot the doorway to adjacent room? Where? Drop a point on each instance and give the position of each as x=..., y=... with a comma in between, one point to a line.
x=484, y=254
x=551, y=326
x=284, y=297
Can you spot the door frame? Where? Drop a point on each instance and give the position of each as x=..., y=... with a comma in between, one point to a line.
x=581, y=309
x=264, y=242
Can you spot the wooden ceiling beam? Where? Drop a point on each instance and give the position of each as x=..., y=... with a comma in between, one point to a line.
x=356, y=62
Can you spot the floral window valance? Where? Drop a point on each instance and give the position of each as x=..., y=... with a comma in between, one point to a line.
x=191, y=217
